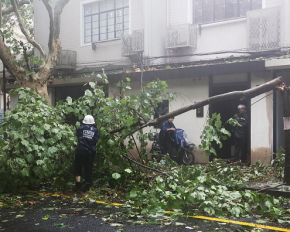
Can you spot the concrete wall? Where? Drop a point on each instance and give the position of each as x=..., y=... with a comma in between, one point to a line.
x=72, y=39
x=285, y=23
x=187, y=91
x=261, y=121
x=137, y=14
x=178, y=12
x=41, y=25
x=222, y=36
x=155, y=18
x=273, y=3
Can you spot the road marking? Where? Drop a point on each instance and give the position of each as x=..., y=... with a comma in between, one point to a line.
x=234, y=222
x=177, y=213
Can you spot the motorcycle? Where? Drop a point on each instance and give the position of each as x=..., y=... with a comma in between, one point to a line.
x=179, y=150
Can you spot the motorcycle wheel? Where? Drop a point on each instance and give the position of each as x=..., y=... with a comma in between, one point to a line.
x=185, y=157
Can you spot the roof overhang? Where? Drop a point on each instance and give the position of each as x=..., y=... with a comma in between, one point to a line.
x=194, y=71
x=277, y=64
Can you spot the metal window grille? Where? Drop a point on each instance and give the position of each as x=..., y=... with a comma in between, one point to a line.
x=184, y=35
x=105, y=20
x=133, y=43
x=206, y=11
x=264, y=29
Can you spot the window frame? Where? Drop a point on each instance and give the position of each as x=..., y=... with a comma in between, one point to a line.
x=83, y=16
x=214, y=10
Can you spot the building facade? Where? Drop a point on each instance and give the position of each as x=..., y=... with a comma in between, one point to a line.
x=200, y=47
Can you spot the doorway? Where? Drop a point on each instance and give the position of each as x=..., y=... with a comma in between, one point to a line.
x=227, y=109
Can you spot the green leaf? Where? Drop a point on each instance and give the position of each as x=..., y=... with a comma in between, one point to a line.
x=260, y=221
x=268, y=204
x=52, y=150
x=209, y=210
x=133, y=193
x=60, y=225
x=92, y=84
x=179, y=224
x=116, y=224
x=46, y=217
x=236, y=211
x=88, y=93
x=69, y=100
x=235, y=195
x=159, y=179
x=116, y=176
x=46, y=126
x=128, y=170
x=111, y=142
x=25, y=143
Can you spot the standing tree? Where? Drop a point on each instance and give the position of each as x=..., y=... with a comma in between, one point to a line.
x=16, y=54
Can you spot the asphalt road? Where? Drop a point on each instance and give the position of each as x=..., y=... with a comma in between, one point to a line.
x=73, y=219
x=50, y=213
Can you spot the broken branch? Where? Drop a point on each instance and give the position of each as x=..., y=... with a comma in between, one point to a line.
x=25, y=31
x=11, y=9
x=247, y=94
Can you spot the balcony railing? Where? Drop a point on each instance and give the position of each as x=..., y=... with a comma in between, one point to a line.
x=184, y=35
x=133, y=43
x=264, y=28
x=67, y=60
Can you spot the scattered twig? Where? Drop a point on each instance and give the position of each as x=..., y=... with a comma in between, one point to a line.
x=227, y=165
x=141, y=116
x=271, y=187
x=144, y=166
x=155, y=110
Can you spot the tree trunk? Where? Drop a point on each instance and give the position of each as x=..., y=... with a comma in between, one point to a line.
x=247, y=94
x=39, y=86
x=37, y=81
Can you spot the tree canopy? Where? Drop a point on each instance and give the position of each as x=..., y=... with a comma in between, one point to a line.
x=16, y=51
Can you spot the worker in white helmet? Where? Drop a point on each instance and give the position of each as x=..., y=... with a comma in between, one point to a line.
x=88, y=135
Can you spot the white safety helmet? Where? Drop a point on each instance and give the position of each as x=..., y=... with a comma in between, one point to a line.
x=241, y=107
x=89, y=119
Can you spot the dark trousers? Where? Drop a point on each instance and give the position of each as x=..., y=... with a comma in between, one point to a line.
x=240, y=150
x=86, y=162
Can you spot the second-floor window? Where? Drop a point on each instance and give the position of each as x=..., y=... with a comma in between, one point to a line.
x=206, y=11
x=105, y=20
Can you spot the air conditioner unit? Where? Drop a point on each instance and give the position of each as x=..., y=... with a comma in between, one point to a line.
x=67, y=60
x=133, y=43
x=264, y=28
x=184, y=35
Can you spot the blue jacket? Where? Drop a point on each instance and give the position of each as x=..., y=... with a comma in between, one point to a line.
x=88, y=136
x=164, y=134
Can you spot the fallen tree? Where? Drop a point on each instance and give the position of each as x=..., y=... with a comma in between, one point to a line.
x=242, y=95
x=277, y=83
x=113, y=118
